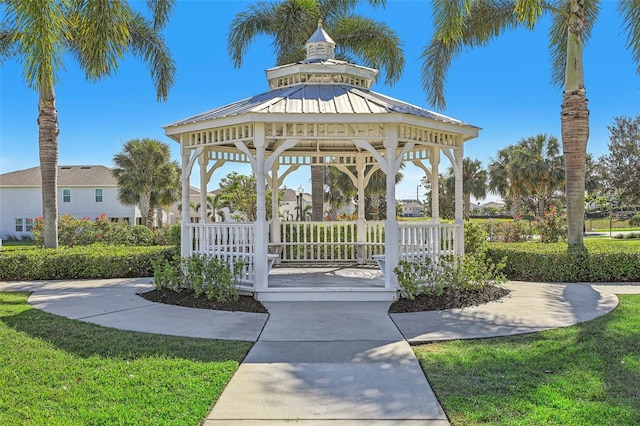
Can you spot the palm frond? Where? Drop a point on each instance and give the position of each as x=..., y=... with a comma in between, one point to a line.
x=377, y=45
x=484, y=21
x=246, y=26
x=148, y=44
x=38, y=32
x=630, y=11
x=161, y=11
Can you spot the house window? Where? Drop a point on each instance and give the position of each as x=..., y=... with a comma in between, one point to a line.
x=66, y=195
x=19, y=224
x=29, y=224
x=98, y=195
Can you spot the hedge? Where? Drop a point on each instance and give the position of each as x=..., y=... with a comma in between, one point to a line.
x=603, y=261
x=81, y=262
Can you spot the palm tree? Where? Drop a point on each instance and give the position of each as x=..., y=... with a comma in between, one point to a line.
x=290, y=23
x=214, y=207
x=41, y=34
x=472, y=23
x=474, y=182
x=504, y=180
x=338, y=190
x=540, y=166
x=146, y=176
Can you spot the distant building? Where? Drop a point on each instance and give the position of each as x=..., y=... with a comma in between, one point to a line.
x=83, y=191
x=412, y=209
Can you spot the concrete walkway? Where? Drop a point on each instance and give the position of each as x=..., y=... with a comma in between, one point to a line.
x=326, y=362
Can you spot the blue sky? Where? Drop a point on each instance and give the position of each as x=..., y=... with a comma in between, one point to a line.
x=503, y=88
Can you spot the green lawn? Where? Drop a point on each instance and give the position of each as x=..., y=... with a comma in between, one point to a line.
x=56, y=371
x=588, y=374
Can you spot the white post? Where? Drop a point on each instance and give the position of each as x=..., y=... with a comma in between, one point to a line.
x=435, y=190
x=361, y=224
x=391, y=224
x=202, y=162
x=261, y=236
x=459, y=201
x=275, y=219
x=185, y=240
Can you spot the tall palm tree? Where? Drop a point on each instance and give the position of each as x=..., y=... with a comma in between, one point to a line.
x=504, y=180
x=41, y=34
x=146, y=176
x=472, y=23
x=290, y=23
x=541, y=168
x=474, y=182
x=214, y=208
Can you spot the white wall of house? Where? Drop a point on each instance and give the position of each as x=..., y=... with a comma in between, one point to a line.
x=20, y=205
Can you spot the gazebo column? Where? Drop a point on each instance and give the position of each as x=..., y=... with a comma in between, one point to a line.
x=275, y=219
x=261, y=238
x=202, y=162
x=434, y=160
x=361, y=224
x=187, y=165
x=458, y=154
x=391, y=238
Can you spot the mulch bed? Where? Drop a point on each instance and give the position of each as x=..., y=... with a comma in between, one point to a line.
x=187, y=299
x=448, y=300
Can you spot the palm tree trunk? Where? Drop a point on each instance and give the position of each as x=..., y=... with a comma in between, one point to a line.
x=317, y=192
x=467, y=205
x=48, y=147
x=575, y=134
x=575, y=125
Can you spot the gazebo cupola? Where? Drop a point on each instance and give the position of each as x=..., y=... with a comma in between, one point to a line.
x=320, y=46
x=321, y=111
x=321, y=67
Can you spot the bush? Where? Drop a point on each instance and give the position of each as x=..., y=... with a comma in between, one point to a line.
x=168, y=235
x=601, y=261
x=634, y=221
x=211, y=277
x=552, y=227
x=74, y=232
x=516, y=231
x=460, y=273
x=82, y=262
x=475, y=238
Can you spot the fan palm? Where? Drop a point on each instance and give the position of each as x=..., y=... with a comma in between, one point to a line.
x=290, y=23
x=146, y=176
x=97, y=34
x=472, y=23
x=474, y=182
x=504, y=180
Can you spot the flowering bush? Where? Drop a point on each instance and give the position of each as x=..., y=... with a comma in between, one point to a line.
x=79, y=232
x=552, y=227
x=518, y=231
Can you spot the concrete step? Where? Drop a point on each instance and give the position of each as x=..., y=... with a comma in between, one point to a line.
x=327, y=294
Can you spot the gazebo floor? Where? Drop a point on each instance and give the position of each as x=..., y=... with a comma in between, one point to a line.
x=325, y=276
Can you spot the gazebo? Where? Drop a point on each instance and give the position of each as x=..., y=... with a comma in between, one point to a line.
x=321, y=111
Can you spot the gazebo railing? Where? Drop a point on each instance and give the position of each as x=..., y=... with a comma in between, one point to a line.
x=318, y=242
x=421, y=240
x=226, y=241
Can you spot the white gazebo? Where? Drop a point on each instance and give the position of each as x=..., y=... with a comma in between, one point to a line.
x=321, y=111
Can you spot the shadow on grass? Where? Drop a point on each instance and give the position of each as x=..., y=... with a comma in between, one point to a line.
x=87, y=340
x=585, y=374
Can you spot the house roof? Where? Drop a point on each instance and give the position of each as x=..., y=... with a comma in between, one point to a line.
x=92, y=175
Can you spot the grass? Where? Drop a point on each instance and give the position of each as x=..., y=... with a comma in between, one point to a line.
x=57, y=371
x=585, y=374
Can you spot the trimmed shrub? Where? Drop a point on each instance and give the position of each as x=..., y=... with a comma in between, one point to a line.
x=475, y=238
x=82, y=262
x=601, y=261
x=211, y=277
x=635, y=220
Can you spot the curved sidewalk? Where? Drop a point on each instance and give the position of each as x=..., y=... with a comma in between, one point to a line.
x=326, y=362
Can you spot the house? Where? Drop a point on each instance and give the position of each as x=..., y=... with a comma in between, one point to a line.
x=83, y=191
x=290, y=201
x=412, y=209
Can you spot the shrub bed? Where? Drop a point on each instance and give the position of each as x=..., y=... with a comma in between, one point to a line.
x=82, y=262
x=602, y=261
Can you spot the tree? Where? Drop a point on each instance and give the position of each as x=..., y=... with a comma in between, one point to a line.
x=41, y=34
x=472, y=23
x=539, y=165
x=446, y=196
x=474, y=182
x=146, y=176
x=238, y=193
x=290, y=23
x=619, y=169
x=338, y=190
x=214, y=208
x=504, y=180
